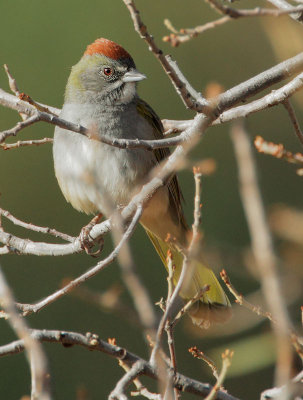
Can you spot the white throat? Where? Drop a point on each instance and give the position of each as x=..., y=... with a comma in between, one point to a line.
x=129, y=92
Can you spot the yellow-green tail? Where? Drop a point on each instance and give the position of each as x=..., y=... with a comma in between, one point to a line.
x=213, y=306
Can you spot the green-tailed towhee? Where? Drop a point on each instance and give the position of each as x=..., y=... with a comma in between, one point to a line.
x=101, y=95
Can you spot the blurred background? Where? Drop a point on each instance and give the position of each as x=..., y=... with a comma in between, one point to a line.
x=40, y=41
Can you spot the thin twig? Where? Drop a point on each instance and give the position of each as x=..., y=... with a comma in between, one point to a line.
x=294, y=120
x=36, y=228
x=186, y=34
x=23, y=143
x=11, y=81
x=293, y=337
x=278, y=151
x=190, y=303
x=19, y=126
x=14, y=88
x=226, y=363
x=241, y=300
x=38, y=106
x=169, y=327
x=195, y=95
x=202, y=356
x=183, y=35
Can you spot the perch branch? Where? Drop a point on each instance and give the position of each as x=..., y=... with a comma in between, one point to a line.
x=226, y=100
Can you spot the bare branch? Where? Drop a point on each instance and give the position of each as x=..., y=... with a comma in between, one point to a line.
x=241, y=300
x=169, y=326
x=36, y=228
x=278, y=151
x=180, y=86
x=33, y=308
x=22, y=96
x=174, y=126
x=11, y=81
x=272, y=99
x=18, y=127
x=202, y=356
x=260, y=82
x=263, y=250
x=226, y=100
x=23, y=143
x=141, y=389
x=183, y=35
x=194, y=130
x=256, y=12
x=35, y=354
x=293, y=118
x=284, y=5
x=226, y=363
x=130, y=376
x=186, y=34
x=4, y=250
x=197, y=207
x=38, y=106
x=189, y=88
x=94, y=343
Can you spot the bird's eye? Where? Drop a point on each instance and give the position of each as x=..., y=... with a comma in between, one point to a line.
x=107, y=71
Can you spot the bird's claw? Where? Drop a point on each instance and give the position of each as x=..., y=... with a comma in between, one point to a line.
x=87, y=242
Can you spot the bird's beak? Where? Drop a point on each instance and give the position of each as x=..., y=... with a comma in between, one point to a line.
x=133, y=76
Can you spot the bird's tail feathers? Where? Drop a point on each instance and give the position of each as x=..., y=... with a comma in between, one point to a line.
x=213, y=306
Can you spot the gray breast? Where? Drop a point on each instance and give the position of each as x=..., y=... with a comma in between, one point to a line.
x=94, y=176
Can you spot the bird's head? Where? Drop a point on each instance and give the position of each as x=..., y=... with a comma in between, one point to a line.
x=106, y=72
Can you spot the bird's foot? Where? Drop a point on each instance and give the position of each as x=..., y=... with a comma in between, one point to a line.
x=87, y=242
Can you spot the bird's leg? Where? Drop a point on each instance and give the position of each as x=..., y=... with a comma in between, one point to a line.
x=87, y=242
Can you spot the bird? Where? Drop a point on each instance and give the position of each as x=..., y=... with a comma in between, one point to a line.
x=101, y=95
